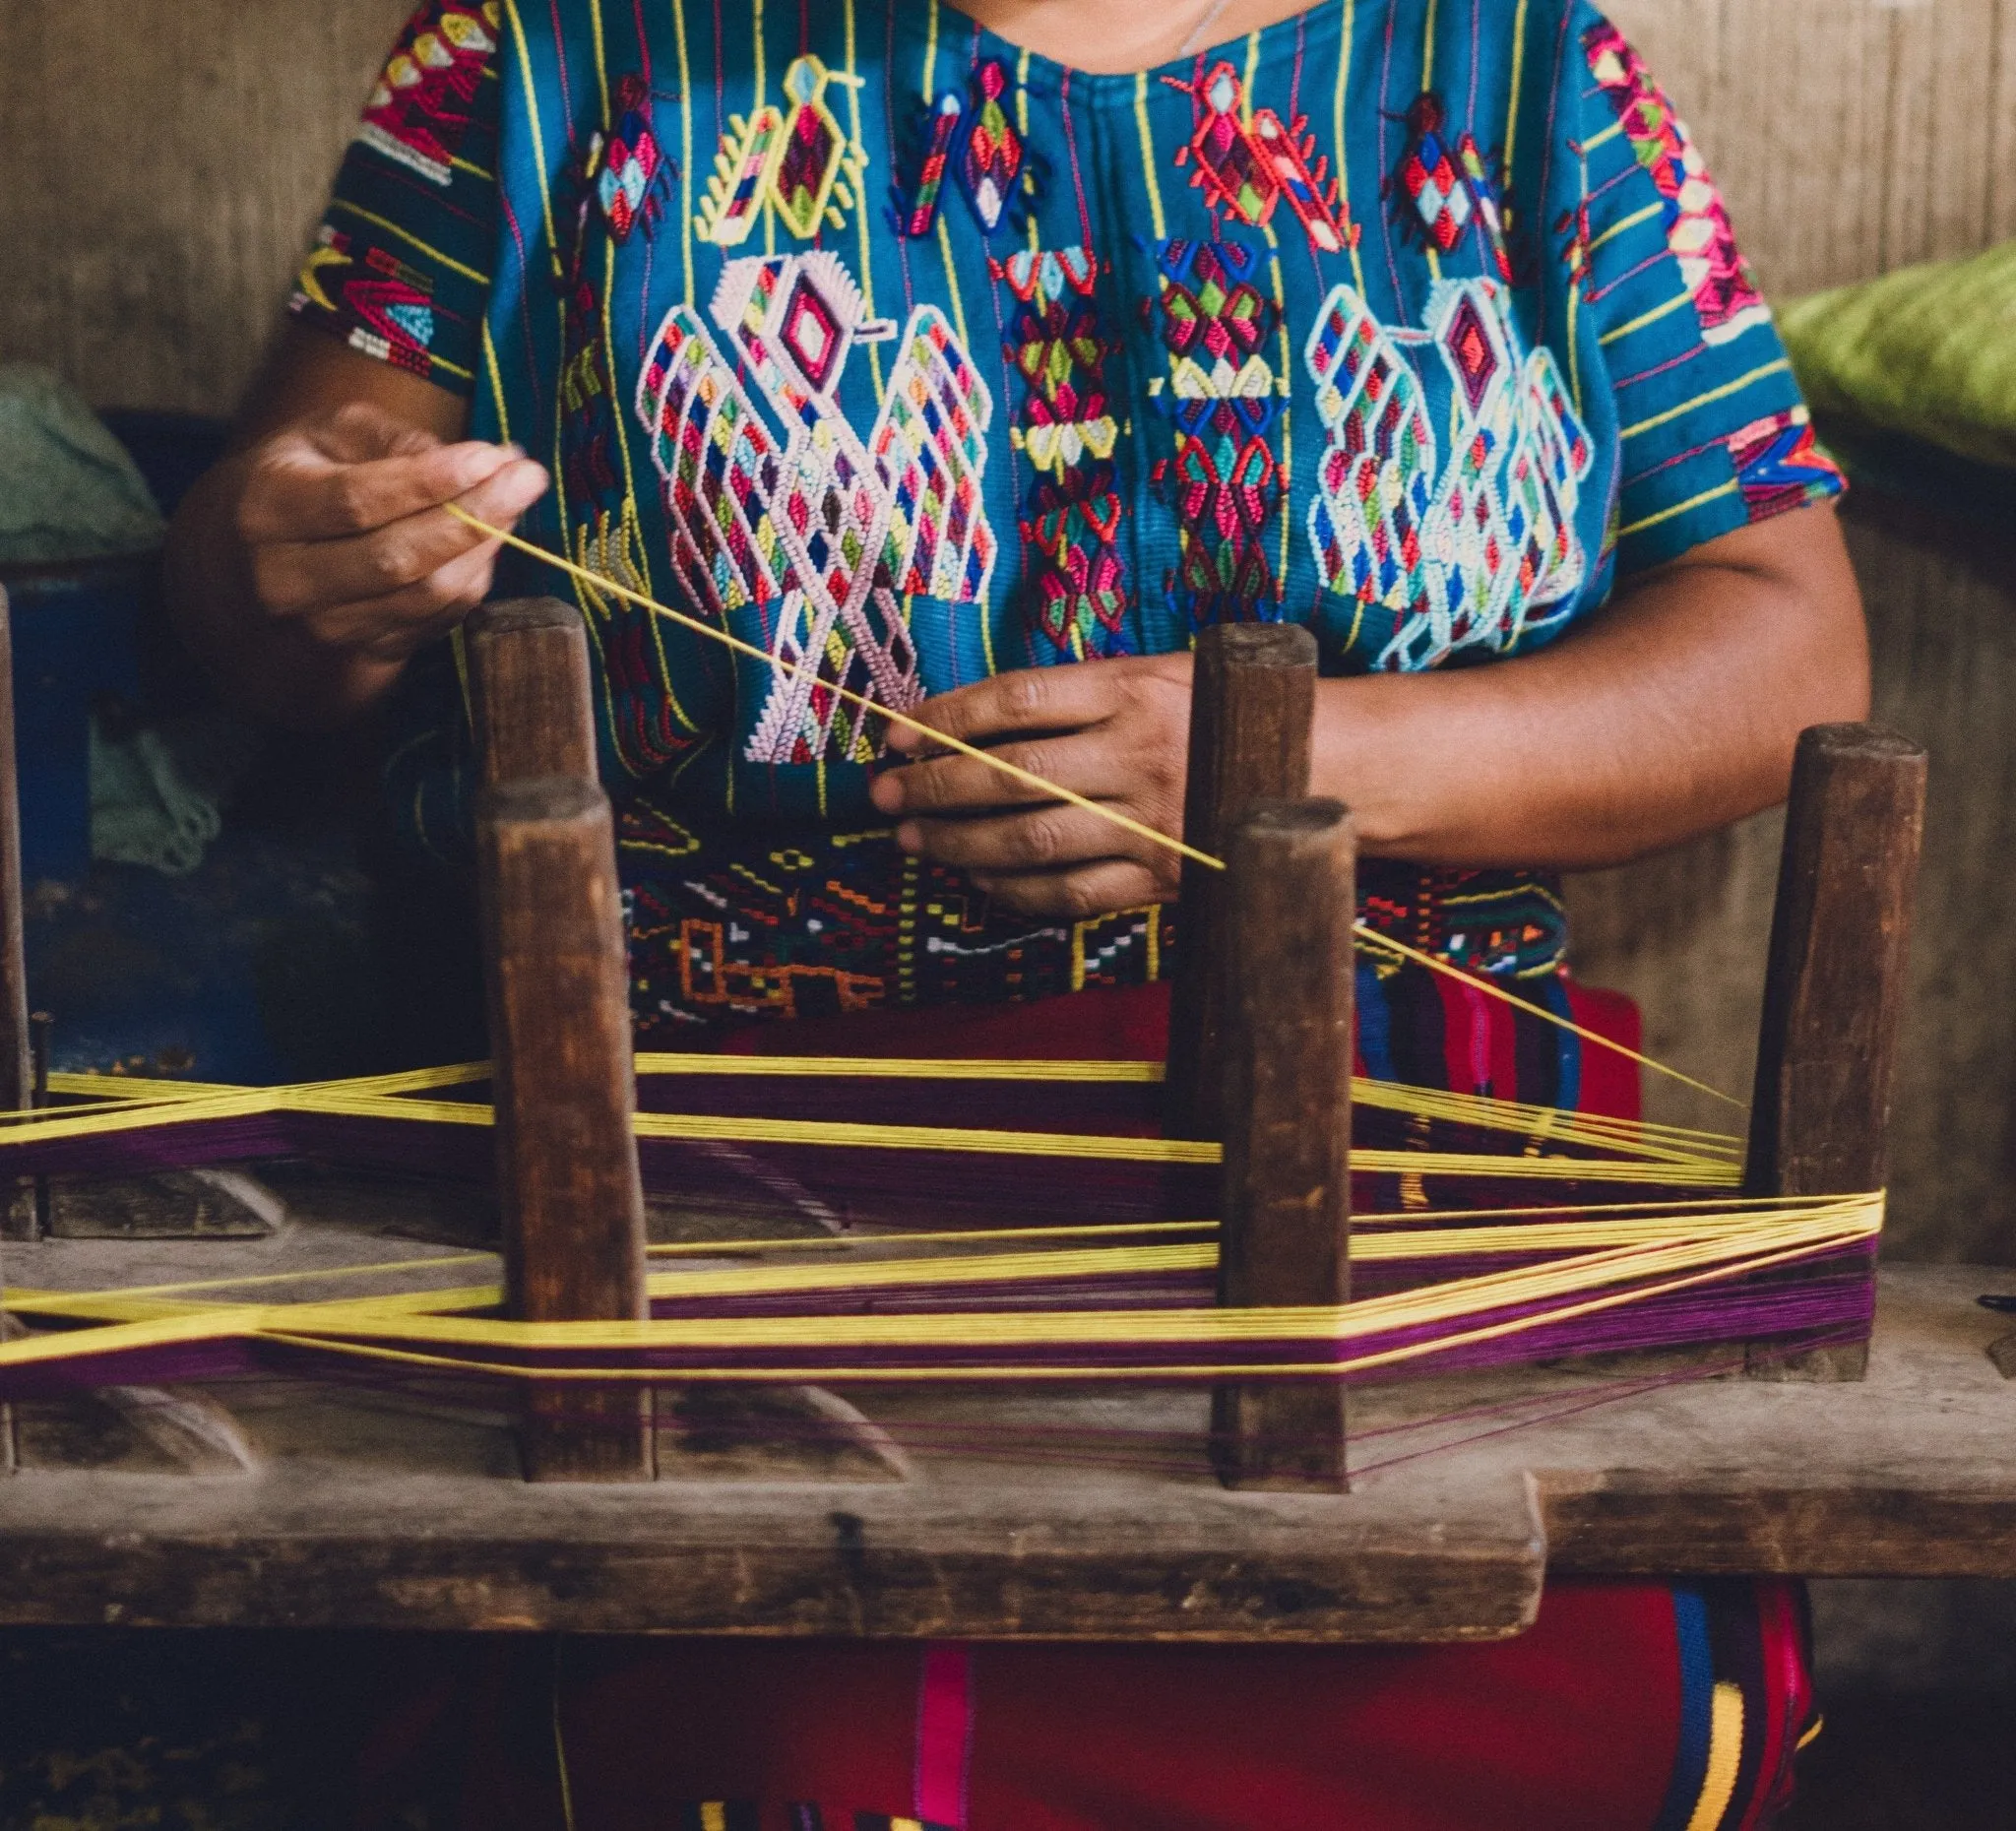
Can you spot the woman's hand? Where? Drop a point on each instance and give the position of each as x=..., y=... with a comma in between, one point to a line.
x=1115, y=731
x=307, y=566
x=346, y=536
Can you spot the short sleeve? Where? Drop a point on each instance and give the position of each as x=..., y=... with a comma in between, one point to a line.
x=1713, y=432
x=399, y=269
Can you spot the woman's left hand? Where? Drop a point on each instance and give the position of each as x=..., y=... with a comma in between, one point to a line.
x=1115, y=731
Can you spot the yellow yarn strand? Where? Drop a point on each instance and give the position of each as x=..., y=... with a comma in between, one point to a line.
x=1029, y=779
x=790, y=669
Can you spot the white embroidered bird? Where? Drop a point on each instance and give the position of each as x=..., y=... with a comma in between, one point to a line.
x=822, y=531
x=1466, y=552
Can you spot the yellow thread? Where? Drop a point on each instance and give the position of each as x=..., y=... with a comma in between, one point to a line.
x=1483, y=984
x=789, y=669
x=405, y=235
x=1162, y=228
x=1724, y=1755
x=1778, y=367
x=531, y=120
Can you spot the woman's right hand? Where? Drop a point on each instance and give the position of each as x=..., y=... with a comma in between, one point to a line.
x=346, y=539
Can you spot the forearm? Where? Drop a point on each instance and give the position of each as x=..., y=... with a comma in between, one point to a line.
x=1672, y=713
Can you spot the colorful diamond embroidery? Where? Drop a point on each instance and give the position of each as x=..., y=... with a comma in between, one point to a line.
x=1223, y=479
x=634, y=174
x=801, y=166
x=643, y=726
x=1448, y=186
x=975, y=137
x=820, y=529
x=1071, y=523
x=1247, y=160
x=1697, y=226
x=1458, y=552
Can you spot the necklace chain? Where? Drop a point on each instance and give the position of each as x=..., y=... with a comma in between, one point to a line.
x=1205, y=22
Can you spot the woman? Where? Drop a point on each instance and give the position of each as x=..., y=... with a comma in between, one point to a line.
x=976, y=359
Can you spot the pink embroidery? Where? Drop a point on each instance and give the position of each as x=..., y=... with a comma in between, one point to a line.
x=1697, y=227
x=420, y=110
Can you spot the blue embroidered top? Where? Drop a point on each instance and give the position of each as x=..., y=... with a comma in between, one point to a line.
x=907, y=354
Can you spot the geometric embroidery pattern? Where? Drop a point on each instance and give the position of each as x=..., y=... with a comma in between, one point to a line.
x=1223, y=479
x=1778, y=467
x=391, y=305
x=836, y=922
x=634, y=174
x=1697, y=226
x=818, y=529
x=973, y=138
x=1246, y=160
x=1071, y=521
x=419, y=111
x=802, y=166
x=621, y=180
x=1448, y=187
x=1461, y=552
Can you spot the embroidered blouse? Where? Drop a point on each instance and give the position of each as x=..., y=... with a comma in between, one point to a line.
x=910, y=356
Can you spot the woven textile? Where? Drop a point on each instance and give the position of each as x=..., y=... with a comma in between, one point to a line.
x=912, y=358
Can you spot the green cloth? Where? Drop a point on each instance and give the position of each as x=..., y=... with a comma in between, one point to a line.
x=67, y=489
x=1928, y=350
x=144, y=808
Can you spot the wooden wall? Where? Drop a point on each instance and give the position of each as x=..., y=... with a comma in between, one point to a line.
x=162, y=162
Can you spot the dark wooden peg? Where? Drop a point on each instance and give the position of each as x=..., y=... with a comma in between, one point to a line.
x=530, y=689
x=18, y=1208
x=1834, y=986
x=567, y=1171
x=1285, y=1236
x=1252, y=706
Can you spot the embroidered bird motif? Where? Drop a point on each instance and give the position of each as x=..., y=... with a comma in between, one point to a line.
x=821, y=531
x=1466, y=552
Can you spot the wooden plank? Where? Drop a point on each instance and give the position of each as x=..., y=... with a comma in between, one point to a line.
x=1285, y=1236
x=572, y=1199
x=379, y=1511
x=535, y=713
x=1252, y=710
x=1834, y=986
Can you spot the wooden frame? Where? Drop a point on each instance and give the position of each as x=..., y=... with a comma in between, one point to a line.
x=325, y=1508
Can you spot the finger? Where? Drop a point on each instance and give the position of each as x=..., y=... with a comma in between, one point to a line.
x=392, y=627
x=1044, y=839
x=1079, y=895
x=1031, y=699
x=299, y=493
x=298, y=576
x=1086, y=762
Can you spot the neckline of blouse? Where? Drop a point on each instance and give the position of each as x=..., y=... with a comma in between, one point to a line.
x=1307, y=30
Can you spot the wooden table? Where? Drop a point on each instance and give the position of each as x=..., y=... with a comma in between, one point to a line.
x=287, y=1503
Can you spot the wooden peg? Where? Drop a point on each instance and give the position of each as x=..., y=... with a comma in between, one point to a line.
x=1252, y=706
x=567, y=1172
x=18, y=1208
x=528, y=660
x=1285, y=1236
x=1834, y=988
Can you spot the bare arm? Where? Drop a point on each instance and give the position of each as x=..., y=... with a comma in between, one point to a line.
x=1673, y=712
x=307, y=568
